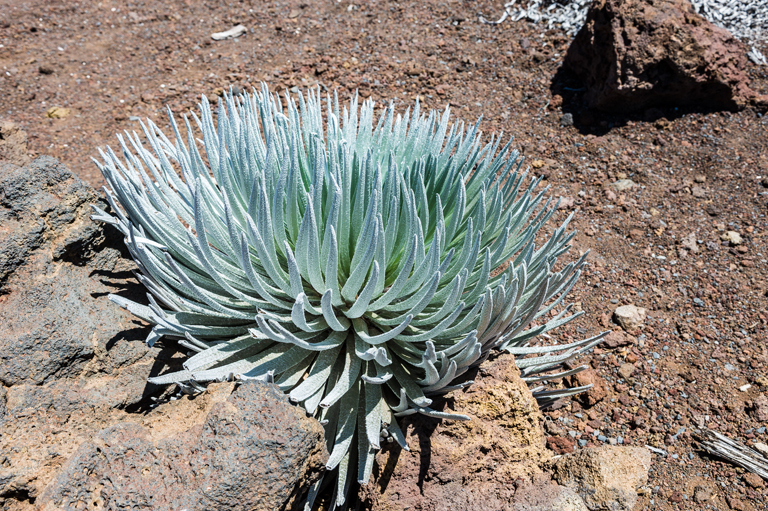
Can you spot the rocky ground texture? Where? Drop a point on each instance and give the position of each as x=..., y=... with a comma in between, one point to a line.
x=671, y=202
x=79, y=424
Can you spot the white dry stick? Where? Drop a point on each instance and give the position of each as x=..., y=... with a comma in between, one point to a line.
x=757, y=57
x=735, y=452
x=229, y=34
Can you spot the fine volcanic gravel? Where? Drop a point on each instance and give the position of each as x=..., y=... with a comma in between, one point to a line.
x=658, y=244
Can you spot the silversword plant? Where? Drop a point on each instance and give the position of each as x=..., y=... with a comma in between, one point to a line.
x=355, y=262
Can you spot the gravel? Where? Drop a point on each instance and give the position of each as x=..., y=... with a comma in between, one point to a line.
x=746, y=19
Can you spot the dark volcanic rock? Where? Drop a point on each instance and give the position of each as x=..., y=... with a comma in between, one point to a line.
x=122, y=389
x=71, y=362
x=254, y=451
x=631, y=55
x=51, y=324
x=3, y=405
x=53, y=327
x=43, y=202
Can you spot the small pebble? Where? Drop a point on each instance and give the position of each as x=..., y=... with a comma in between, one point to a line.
x=623, y=185
x=732, y=237
x=629, y=317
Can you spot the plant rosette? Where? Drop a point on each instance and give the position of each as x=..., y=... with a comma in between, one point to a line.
x=350, y=260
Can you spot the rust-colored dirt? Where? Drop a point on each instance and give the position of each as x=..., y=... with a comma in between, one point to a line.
x=657, y=245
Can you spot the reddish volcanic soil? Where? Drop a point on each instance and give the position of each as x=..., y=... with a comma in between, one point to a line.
x=658, y=244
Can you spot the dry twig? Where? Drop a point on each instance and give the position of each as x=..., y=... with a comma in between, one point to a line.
x=735, y=452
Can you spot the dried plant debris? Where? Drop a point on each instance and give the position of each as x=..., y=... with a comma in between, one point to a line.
x=568, y=16
x=737, y=453
x=746, y=19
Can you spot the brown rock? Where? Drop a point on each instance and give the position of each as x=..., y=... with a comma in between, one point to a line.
x=702, y=494
x=252, y=450
x=713, y=210
x=760, y=408
x=676, y=497
x=542, y=494
x=617, y=339
x=754, y=480
x=560, y=444
x=737, y=504
x=636, y=54
x=606, y=477
x=464, y=465
x=597, y=393
x=13, y=144
x=626, y=370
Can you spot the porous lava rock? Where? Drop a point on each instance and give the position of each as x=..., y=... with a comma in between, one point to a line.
x=70, y=361
x=51, y=325
x=596, y=393
x=253, y=451
x=74, y=369
x=43, y=203
x=632, y=55
x=543, y=494
x=607, y=477
x=467, y=465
